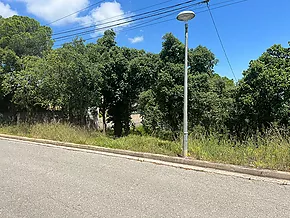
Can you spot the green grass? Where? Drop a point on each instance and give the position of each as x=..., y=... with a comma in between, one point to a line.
x=268, y=153
x=69, y=133
x=271, y=151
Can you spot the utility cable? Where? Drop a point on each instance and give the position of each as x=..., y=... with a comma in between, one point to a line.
x=140, y=9
x=140, y=24
x=122, y=23
x=65, y=38
x=155, y=23
x=126, y=18
x=76, y=12
x=221, y=42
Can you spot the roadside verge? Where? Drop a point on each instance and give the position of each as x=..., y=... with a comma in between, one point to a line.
x=176, y=160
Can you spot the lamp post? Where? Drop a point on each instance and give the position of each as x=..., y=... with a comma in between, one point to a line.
x=185, y=16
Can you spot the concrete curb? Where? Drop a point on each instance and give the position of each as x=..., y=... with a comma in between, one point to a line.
x=205, y=164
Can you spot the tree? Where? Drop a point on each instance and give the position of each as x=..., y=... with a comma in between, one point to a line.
x=99, y=54
x=63, y=80
x=77, y=80
x=210, y=96
x=263, y=95
x=10, y=63
x=20, y=37
x=211, y=101
x=202, y=60
x=24, y=85
x=125, y=73
x=173, y=50
x=24, y=36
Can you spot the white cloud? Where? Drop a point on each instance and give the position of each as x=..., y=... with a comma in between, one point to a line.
x=106, y=16
x=136, y=39
x=51, y=10
x=6, y=11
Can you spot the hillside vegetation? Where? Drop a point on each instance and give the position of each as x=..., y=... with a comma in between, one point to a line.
x=243, y=123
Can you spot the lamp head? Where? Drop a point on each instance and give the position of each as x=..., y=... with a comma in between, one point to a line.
x=185, y=16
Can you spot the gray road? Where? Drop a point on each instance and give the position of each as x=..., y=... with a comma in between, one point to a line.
x=39, y=181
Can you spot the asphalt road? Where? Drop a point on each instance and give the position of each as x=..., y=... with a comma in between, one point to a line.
x=39, y=181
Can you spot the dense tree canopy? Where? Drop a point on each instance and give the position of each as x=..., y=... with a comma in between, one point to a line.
x=210, y=96
x=120, y=81
x=20, y=37
x=263, y=95
x=24, y=36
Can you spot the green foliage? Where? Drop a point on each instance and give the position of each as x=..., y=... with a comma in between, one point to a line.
x=152, y=117
x=210, y=96
x=211, y=102
x=201, y=60
x=21, y=84
x=76, y=79
x=125, y=73
x=173, y=50
x=263, y=95
x=270, y=151
x=121, y=81
x=64, y=79
x=24, y=36
x=19, y=37
x=74, y=134
x=10, y=63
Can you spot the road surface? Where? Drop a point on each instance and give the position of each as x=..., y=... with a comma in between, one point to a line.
x=40, y=181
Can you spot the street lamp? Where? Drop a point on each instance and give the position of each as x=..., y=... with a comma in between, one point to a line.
x=185, y=16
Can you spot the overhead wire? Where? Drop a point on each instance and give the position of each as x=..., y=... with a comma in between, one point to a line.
x=120, y=15
x=115, y=25
x=76, y=12
x=132, y=27
x=123, y=18
x=155, y=23
x=221, y=42
x=122, y=23
x=158, y=18
x=90, y=6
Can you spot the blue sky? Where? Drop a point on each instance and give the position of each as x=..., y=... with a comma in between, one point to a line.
x=247, y=29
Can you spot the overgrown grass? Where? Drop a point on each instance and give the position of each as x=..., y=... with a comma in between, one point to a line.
x=69, y=133
x=269, y=152
x=272, y=151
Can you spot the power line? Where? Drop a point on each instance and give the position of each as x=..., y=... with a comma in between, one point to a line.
x=76, y=12
x=142, y=24
x=125, y=18
x=64, y=38
x=140, y=9
x=130, y=29
x=151, y=24
x=112, y=26
x=234, y=2
x=122, y=23
x=139, y=25
x=221, y=42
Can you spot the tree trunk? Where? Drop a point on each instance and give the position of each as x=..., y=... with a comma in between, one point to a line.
x=118, y=128
x=127, y=126
x=127, y=119
x=104, y=120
